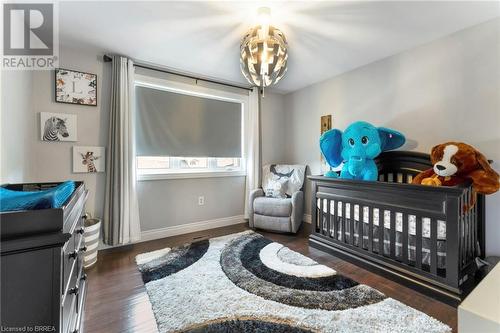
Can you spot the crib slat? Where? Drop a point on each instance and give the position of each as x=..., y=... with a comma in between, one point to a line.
x=405, y=238
x=392, y=238
x=342, y=223
x=381, y=227
x=321, y=217
x=318, y=221
x=418, y=242
x=466, y=228
x=475, y=228
x=469, y=226
x=328, y=218
x=334, y=217
x=361, y=217
x=433, y=254
x=370, y=229
x=351, y=223
x=470, y=213
x=460, y=228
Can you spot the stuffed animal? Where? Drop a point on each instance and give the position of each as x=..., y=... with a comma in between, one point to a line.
x=456, y=163
x=357, y=147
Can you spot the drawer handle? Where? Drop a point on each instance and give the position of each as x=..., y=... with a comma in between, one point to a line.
x=83, y=249
x=80, y=231
x=73, y=290
x=73, y=255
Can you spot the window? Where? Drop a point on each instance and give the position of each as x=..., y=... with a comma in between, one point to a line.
x=176, y=123
x=162, y=165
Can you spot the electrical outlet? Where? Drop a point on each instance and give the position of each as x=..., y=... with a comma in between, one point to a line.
x=201, y=200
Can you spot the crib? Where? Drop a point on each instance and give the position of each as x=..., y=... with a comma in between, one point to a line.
x=424, y=237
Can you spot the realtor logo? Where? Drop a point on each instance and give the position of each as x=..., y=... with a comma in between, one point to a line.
x=29, y=38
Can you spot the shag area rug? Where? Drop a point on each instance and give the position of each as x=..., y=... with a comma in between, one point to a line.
x=246, y=283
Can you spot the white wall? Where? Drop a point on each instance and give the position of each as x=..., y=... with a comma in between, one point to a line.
x=445, y=90
x=274, y=133
x=17, y=89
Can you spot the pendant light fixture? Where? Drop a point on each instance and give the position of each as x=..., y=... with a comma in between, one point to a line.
x=263, y=53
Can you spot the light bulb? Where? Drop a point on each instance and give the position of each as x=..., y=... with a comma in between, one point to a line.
x=264, y=14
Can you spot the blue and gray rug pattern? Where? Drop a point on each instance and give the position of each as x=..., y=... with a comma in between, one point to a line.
x=246, y=283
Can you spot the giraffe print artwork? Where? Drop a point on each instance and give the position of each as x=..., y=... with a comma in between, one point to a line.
x=88, y=159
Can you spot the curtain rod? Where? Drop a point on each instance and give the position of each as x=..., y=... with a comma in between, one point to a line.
x=107, y=58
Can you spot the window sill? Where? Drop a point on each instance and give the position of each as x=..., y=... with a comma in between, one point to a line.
x=190, y=175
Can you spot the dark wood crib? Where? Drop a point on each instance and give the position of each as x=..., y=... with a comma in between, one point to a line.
x=419, y=235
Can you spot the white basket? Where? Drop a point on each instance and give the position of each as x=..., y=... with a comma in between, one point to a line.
x=91, y=237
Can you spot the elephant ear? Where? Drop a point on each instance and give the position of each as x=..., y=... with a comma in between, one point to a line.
x=330, y=144
x=390, y=139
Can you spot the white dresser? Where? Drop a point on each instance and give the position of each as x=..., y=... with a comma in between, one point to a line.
x=480, y=311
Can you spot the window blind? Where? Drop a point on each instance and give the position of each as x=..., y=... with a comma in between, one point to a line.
x=176, y=124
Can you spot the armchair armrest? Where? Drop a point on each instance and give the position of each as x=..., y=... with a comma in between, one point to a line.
x=297, y=210
x=253, y=194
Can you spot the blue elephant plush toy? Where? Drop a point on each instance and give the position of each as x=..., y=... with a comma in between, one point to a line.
x=357, y=147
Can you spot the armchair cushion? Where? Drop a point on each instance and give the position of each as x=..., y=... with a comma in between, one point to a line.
x=273, y=206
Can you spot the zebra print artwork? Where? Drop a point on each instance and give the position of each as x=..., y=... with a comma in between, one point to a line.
x=57, y=127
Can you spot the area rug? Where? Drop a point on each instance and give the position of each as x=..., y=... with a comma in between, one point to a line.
x=246, y=283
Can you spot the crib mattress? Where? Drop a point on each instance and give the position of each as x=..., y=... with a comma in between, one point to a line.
x=376, y=218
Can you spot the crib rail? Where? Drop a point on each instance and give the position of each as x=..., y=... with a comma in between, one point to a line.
x=427, y=234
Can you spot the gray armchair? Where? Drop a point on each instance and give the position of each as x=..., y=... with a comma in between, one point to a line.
x=277, y=214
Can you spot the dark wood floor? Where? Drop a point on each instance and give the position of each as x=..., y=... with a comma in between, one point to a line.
x=117, y=300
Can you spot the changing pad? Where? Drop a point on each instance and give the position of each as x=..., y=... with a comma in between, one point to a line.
x=23, y=200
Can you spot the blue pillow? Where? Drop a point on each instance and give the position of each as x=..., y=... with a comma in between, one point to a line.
x=23, y=200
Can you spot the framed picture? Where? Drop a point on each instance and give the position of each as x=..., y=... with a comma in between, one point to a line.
x=75, y=87
x=326, y=125
x=58, y=127
x=88, y=159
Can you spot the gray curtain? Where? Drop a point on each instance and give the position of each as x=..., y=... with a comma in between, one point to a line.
x=121, y=214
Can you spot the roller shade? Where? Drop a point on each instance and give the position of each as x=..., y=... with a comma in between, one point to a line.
x=176, y=124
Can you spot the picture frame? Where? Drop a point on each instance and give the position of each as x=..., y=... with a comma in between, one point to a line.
x=326, y=125
x=88, y=159
x=58, y=127
x=75, y=87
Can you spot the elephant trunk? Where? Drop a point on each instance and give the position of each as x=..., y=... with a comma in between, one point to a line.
x=356, y=165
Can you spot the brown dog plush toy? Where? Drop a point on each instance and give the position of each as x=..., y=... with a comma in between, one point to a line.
x=456, y=163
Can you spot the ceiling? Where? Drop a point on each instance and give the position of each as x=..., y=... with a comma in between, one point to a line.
x=325, y=38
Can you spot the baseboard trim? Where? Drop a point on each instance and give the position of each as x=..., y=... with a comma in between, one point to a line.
x=190, y=227
x=306, y=218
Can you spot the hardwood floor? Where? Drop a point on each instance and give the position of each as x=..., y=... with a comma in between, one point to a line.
x=117, y=300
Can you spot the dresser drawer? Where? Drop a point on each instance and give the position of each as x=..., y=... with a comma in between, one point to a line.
x=72, y=255
x=70, y=302
x=73, y=217
x=82, y=292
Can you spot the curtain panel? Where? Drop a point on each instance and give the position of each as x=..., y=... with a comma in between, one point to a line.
x=253, y=147
x=121, y=213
